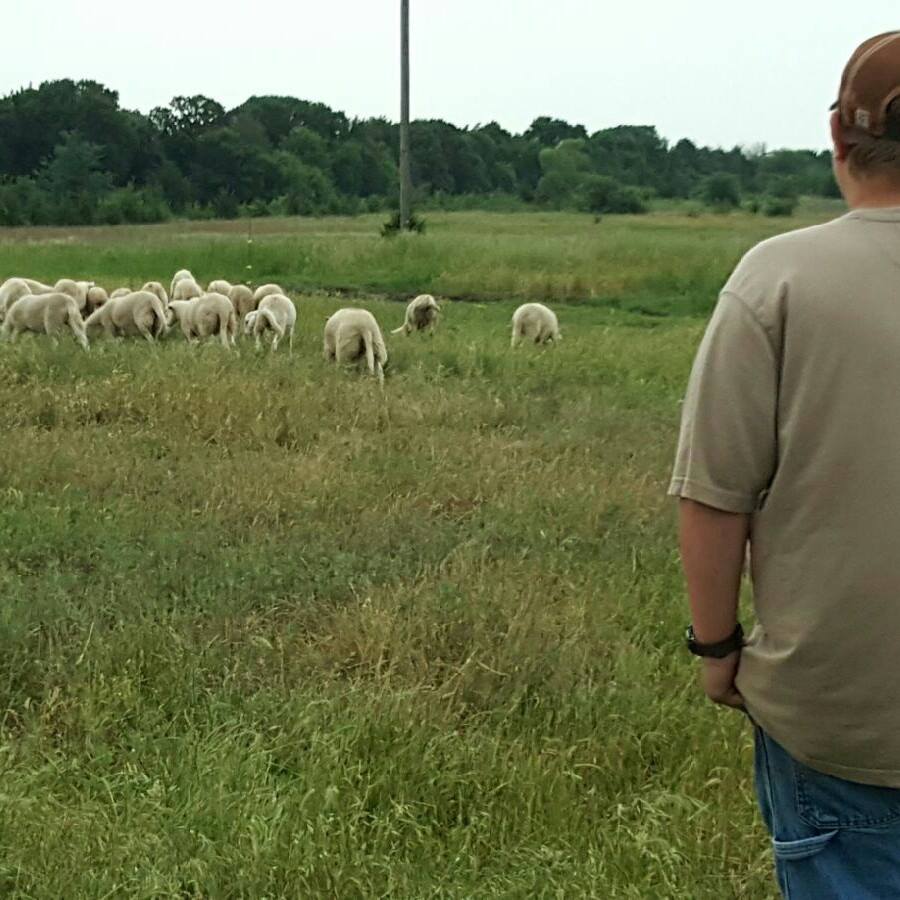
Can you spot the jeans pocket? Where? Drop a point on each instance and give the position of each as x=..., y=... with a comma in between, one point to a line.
x=803, y=848
x=826, y=802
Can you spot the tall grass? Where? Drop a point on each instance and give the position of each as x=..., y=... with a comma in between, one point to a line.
x=269, y=632
x=663, y=264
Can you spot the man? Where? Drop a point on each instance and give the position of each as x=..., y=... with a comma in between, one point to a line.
x=791, y=440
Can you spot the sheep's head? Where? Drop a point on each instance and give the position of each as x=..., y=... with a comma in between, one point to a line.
x=250, y=321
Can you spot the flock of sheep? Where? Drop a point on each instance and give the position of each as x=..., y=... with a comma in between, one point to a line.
x=351, y=335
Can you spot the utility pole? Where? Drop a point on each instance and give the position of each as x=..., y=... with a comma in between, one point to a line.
x=405, y=174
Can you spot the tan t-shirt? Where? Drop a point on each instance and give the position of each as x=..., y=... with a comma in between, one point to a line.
x=793, y=414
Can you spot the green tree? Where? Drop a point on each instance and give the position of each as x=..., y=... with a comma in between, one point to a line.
x=308, y=146
x=565, y=168
x=549, y=132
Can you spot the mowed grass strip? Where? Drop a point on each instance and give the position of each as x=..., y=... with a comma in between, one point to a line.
x=271, y=632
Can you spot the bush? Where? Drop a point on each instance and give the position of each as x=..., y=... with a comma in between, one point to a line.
x=721, y=191
x=391, y=228
x=256, y=209
x=23, y=202
x=600, y=194
x=779, y=206
x=225, y=205
x=752, y=205
x=131, y=205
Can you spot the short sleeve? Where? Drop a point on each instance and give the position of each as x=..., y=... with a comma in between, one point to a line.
x=727, y=449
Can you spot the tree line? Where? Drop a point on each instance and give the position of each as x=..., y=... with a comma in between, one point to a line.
x=71, y=155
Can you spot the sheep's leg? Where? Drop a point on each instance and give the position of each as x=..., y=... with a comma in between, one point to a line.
x=80, y=336
x=291, y=341
x=51, y=328
x=142, y=328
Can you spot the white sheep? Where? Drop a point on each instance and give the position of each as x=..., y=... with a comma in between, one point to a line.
x=534, y=322
x=156, y=288
x=181, y=273
x=121, y=292
x=219, y=286
x=37, y=287
x=276, y=313
x=242, y=298
x=138, y=313
x=77, y=290
x=264, y=290
x=421, y=313
x=353, y=334
x=211, y=314
x=10, y=291
x=96, y=297
x=187, y=289
x=44, y=314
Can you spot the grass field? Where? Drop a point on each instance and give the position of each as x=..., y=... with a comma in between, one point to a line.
x=268, y=632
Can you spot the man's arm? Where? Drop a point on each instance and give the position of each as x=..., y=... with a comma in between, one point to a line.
x=712, y=553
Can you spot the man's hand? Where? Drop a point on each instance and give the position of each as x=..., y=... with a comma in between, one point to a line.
x=718, y=680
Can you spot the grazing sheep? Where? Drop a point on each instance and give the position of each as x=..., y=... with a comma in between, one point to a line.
x=187, y=289
x=120, y=292
x=421, y=313
x=156, y=288
x=10, y=291
x=77, y=290
x=353, y=334
x=96, y=297
x=37, y=287
x=211, y=314
x=534, y=322
x=181, y=273
x=242, y=298
x=276, y=313
x=139, y=313
x=45, y=314
x=219, y=286
x=264, y=290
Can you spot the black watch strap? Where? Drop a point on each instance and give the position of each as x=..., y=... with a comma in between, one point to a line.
x=720, y=649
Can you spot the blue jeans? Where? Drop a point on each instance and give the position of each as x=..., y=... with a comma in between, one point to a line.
x=833, y=839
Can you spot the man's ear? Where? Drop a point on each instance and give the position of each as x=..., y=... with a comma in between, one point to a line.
x=841, y=147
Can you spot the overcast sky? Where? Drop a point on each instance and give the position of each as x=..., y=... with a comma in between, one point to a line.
x=719, y=73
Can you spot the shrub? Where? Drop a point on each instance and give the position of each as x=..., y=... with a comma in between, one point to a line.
x=601, y=194
x=132, y=205
x=225, y=205
x=779, y=206
x=721, y=191
x=391, y=228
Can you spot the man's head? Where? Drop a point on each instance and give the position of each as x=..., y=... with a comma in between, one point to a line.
x=865, y=123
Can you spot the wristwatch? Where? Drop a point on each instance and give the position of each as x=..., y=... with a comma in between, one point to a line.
x=720, y=649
